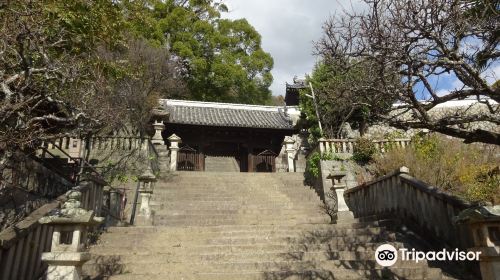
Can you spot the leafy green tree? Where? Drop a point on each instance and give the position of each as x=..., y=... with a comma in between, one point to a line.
x=337, y=104
x=223, y=59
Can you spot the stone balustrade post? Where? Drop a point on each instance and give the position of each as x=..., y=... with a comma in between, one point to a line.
x=114, y=202
x=290, y=152
x=484, y=223
x=67, y=256
x=174, y=147
x=146, y=214
x=157, y=138
x=321, y=143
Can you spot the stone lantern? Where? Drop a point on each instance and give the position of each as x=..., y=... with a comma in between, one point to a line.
x=484, y=223
x=146, y=214
x=71, y=224
x=290, y=152
x=174, y=147
x=339, y=186
x=157, y=138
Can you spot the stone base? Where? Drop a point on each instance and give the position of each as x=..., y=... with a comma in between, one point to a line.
x=142, y=220
x=64, y=273
x=65, y=265
x=344, y=216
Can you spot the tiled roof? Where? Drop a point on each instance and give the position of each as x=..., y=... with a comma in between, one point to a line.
x=226, y=115
x=299, y=85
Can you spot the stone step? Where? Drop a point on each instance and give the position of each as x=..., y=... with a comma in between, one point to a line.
x=245, y=267
x=169, y=221
x=365, y=258
x=215, y=238
x=249, y=203
x=241, y=216
x=274, y=275
x=221, y=164
x=190, y=174
x=208, y=205
x=246, y=226
x=242, y=245
x=236, y=197
x=306, y=228
x=200, y=251
x=233, y=190
x=298, y=198
x=293, y=211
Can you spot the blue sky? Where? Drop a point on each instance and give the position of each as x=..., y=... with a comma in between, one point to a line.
x=445, y=83
x=289, y=27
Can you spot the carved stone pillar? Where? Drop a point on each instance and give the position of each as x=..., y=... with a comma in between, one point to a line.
x=157, y=138
x=67, y=256
x=290, y=152
x=321, y=143
x=174, y=147
x=146, y=214
x=339, y=186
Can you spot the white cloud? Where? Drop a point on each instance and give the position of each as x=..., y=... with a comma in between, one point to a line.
x=288, y=29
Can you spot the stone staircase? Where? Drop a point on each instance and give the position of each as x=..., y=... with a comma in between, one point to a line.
x=241, y=226
x=221, y=164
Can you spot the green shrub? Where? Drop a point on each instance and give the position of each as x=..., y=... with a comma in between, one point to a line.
x=364, y=150
x=466, y=170
x=313, y=167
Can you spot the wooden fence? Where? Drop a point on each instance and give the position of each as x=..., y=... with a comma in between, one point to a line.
x=264, y=162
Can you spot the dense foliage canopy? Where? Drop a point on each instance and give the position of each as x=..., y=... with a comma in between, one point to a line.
x=95, y=66
x=223, y=59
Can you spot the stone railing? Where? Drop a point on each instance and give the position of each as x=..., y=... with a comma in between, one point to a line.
x=116, y=143
x=347, y=146
x=73, y=146
x=21, y=245
x=70, y=145
x=419, y=206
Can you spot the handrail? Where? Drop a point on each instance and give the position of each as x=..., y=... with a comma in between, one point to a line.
x=50, y=166
x=84, y=165
x=426, y=209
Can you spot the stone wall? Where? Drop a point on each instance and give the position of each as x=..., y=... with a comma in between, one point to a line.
x=324, y=185
x=25, y=185
x=381, y=131
x=122, y=159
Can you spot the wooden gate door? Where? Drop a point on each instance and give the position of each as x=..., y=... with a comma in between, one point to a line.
x=264, y=162
x=189, y=159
